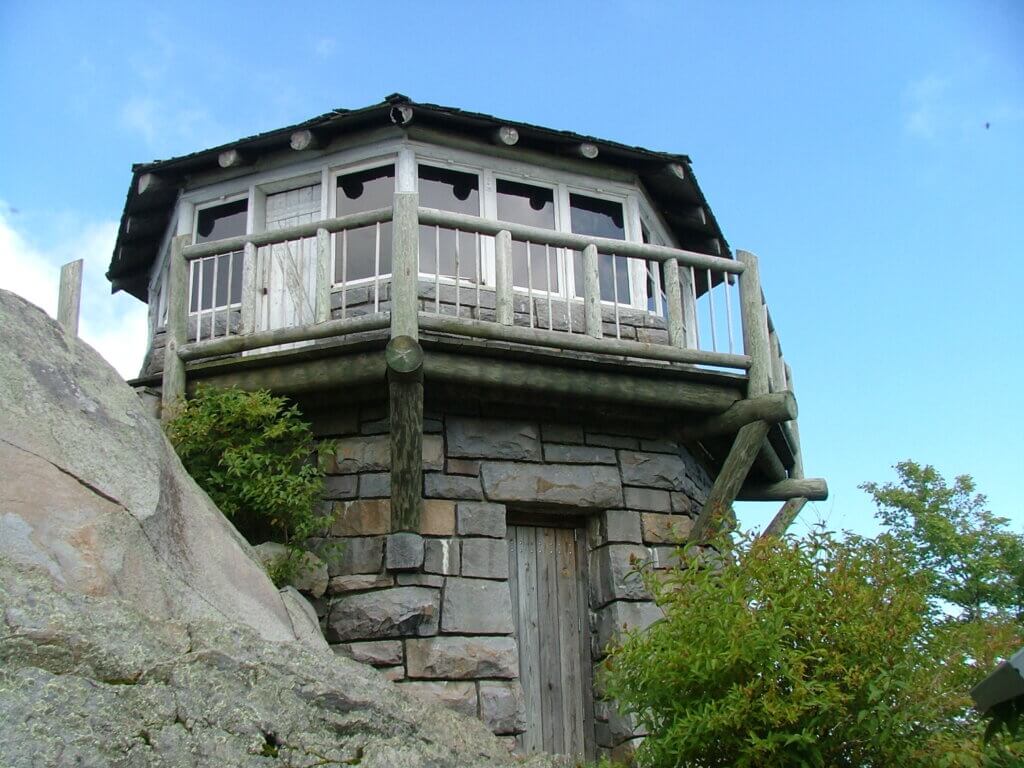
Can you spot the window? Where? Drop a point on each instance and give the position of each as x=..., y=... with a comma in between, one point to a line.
x=216, y=281
x=528, y=204
x=458, y=192
x=365, y=252
x=601, y=218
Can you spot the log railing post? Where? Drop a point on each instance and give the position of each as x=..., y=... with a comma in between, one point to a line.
x=173, y=387
x=404, y=358
x=323, y=276
x=674, y=297
x=247, y=324
x=755, y=333
x=504, y=307
x=70, y=296
x=591, y=292
x=405, y=265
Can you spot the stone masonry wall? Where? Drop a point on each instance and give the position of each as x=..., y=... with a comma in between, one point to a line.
x=433, y=610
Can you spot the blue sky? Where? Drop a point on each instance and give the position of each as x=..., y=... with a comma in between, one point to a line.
x=872, y=155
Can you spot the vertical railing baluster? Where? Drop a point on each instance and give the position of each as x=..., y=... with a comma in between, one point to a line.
x=213, y=298
x=437, y=269
x=344, y=273
x=591, y=292
x=711, y=312
x=696, y=314
x=547, y=275
x=615, y=294
x=376, y=270
x=227, y=303
x=458, y=274
x=529, y=281
x=562, y=257
x=728, y=310
x=479, y=272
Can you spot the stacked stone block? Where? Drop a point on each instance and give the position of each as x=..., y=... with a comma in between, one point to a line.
x=432, y=609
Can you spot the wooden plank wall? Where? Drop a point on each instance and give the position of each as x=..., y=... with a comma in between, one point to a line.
x=549, y=597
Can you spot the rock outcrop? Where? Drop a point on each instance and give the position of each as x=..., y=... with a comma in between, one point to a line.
x=94, y=495
x=87, y=681
x=137, y=627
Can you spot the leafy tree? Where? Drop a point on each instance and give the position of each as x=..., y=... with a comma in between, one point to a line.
x=255, y=457
x=833, y=652
x=974, y=564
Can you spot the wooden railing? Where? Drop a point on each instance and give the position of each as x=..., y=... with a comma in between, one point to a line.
x=673, y=275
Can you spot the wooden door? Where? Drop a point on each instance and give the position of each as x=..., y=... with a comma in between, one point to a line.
x=548, y=579
x=287, y=271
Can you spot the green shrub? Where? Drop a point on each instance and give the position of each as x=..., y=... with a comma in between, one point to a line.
x=256, y=458
x=813, y=652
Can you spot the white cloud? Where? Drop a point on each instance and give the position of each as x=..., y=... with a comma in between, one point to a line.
x=116, y=325
x=926, y=107
x=324, y=47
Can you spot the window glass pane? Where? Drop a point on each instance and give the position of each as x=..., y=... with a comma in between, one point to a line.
x=526, y=204
x=601, y=218
x=206, y=297
x=358, y=192
x=223, y=267
x=220, y=221
x=455, y=191
x=238, y=264
x=194, y=280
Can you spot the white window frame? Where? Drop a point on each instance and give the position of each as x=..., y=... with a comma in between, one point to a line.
x=196, y=209
x=560, y=253
x=333, y=173
x=486, y=276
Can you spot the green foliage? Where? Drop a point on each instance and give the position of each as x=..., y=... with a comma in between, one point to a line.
x=255, y=457
x=974, y=564
x=811, y=652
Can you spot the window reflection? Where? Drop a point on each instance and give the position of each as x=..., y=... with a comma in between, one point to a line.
x=526, y=204
x=356, y=250
x=601, y=218
x=458, y=192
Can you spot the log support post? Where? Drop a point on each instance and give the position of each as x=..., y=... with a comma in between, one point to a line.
x=70, y=297
x=173, y=388
x=591, y=292
x=504, y=307
x=674, y=298
x=404, y=358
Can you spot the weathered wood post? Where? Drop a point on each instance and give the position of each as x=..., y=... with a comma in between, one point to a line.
x=69, y=298
x=247, y=322
x=674, y=298
x=173, y=389
x=404, y=358
x=323, y=276
x=718, y=507
x=591, y=292
x=504, y=307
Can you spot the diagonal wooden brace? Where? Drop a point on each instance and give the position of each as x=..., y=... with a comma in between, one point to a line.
x=717, y=509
